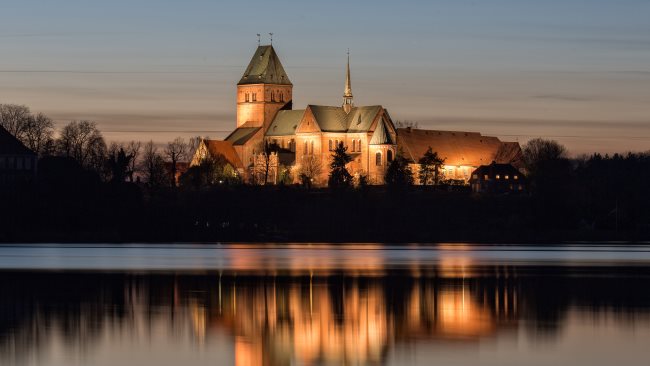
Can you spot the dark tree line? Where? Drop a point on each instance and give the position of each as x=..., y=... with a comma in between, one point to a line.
x=87, y=190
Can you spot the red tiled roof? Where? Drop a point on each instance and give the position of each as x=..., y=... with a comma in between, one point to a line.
x=457, y=147
x=226, y=149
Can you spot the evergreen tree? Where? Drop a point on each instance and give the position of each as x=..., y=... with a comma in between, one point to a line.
x=430, y=167
x=399, y=173
x=339, y=176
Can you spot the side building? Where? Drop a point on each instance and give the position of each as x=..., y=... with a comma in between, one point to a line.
x=17, y=162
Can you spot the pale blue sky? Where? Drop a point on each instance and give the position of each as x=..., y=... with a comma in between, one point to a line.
x=511, y=68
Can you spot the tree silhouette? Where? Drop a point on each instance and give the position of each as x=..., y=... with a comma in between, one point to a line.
x=430, y=164
x=339, y=176
x=399, y=174
x=175, y=151
x=82, y=141
x=118, y=163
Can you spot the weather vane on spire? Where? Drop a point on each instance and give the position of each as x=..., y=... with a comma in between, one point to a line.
x=259, y=39
x=271, y=35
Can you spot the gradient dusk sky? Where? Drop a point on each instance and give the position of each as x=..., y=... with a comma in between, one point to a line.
x=574, y=70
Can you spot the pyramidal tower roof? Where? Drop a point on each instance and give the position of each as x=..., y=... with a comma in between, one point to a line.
x=265, y=68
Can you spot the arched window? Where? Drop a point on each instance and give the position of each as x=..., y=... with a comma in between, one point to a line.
x=306, y=147
x=312, y=147
x=354, y=145
x=330, y=145
x=378, y=159
x=389, y=156
x=281, y=97
x=248, y=97
x=359, y=146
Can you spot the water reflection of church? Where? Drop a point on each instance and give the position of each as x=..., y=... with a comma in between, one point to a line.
x=351, y=320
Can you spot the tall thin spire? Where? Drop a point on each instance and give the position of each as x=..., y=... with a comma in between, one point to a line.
x=347, y=95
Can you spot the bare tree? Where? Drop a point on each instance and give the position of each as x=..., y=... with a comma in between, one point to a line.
x=175, y=152
x=14, y=118
x=538, y=152
x=133, y=149
x=82, y=141
x=38, y=133
x=310, y=169
x=193, y=144
x=153, y=165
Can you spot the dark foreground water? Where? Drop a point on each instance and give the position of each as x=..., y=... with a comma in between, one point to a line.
x=315, y=305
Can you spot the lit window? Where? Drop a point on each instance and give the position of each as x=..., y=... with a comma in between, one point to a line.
x=378, y=159
x=486, y=177
x=516, y=177
x=498, y=176
x=507, y=177
x=475, y=176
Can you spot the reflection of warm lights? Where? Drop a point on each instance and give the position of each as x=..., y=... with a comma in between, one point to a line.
x=308, y=324
x=461, y=316
x=198, y=320
x=247, y=353
x=455, y=267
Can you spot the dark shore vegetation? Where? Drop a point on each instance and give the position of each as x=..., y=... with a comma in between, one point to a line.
x=86, y=191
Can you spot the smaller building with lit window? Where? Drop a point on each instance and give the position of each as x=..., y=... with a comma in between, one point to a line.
x=17, y=162
x=497, y=178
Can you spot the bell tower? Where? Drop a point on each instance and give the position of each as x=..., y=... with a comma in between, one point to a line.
x=263, y=90
x=347, y=94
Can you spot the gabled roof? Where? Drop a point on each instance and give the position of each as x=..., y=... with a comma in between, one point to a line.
x=265, y=68
x=360, y=118
x=241, y=135
x=334, y=119
x=225, y=149
x=330, y=119
x=9, y=145
x=456, y=147
x=381, y=135
x=285, y=122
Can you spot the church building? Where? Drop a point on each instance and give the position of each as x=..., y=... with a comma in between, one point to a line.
x=273, y=141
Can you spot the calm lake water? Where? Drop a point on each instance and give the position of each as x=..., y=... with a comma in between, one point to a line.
x=324, y=304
